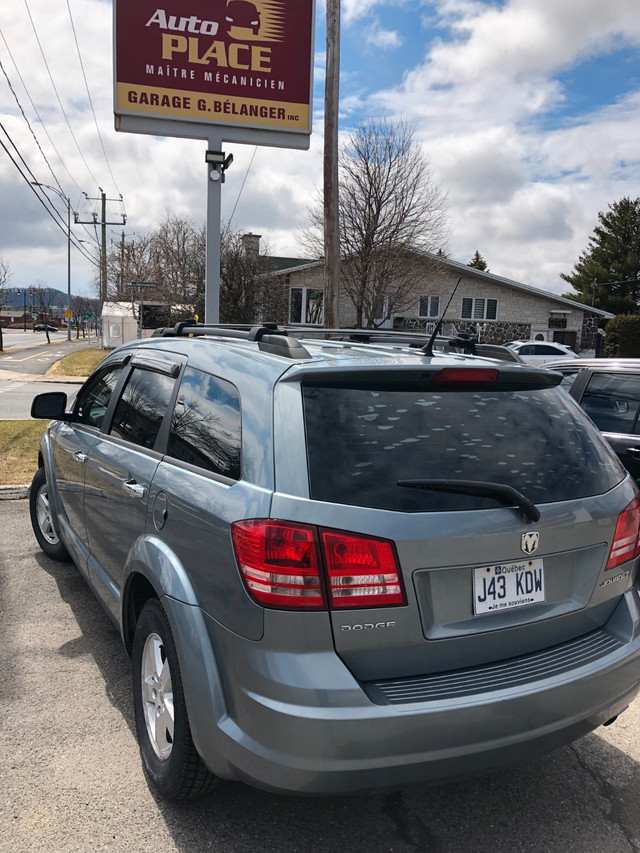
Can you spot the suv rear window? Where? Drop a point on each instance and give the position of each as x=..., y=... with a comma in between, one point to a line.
x=360, y=442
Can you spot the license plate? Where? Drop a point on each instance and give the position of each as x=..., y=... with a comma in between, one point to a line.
x=507, y=585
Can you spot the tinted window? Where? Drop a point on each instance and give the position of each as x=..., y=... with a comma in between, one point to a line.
x=545, y=349
x=93, y=399
x=205, y=426
x=361, y=442
x=568, y=378
x=141, y=407
x=611, y=400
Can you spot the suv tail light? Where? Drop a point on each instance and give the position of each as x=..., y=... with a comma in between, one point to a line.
x=626, y=541
x=302, y=567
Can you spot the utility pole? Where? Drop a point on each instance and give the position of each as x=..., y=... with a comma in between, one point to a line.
x=103, y=235
x=331, y=219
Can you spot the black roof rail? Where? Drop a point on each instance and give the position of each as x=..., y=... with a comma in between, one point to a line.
x=270, y=337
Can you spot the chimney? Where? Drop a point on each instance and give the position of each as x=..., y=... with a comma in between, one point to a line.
x=251, y=244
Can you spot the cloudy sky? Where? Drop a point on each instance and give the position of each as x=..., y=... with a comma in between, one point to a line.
x=529, y=111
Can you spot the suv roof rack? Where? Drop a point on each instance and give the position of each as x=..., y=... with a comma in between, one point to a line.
x=284, y=340
x=270, y=337
x=415, y=340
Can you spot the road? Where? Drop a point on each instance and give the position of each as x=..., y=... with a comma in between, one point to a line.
x=26, y=359
x=72, y=781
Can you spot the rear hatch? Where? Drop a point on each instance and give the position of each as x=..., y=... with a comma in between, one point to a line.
x=498, y=498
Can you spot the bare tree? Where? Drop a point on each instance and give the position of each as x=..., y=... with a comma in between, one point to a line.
x=44, y=299
x=5, y=277
x=172, y=257
x=247, y=291
x=392, y=217
x=83, y=306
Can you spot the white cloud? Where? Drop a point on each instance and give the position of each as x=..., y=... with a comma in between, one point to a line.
x=381, y=38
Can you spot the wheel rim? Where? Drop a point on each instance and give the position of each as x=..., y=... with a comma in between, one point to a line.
x=157, y=696
x=45, y=522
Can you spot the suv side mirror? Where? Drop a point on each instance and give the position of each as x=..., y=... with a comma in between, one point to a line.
x=51, y=406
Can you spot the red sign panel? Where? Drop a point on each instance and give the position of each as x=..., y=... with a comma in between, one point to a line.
x=232, y=62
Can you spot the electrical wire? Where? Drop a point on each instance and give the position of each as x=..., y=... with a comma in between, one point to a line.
x=246, y=175
x=93, y=112
x=46, y=65
x=51, y=209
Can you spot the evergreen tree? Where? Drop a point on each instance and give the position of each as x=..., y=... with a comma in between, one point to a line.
x=478, y=262
x=607, y=273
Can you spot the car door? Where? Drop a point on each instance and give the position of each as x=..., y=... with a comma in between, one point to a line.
x=71, y=443
x=119, y=471
x=612, y=401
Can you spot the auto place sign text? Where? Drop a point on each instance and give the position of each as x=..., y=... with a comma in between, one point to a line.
x=233, y=62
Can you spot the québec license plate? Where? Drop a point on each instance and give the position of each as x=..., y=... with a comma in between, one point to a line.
x=507, y=585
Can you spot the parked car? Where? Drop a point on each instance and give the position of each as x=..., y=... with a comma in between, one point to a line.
x=541, y=352
x=344, y=567
x=44, y=327
x=608, y=389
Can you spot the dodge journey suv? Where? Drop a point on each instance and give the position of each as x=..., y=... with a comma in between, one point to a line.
x=342, y=566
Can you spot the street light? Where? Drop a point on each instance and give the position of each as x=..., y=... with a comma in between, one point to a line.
x=67, y=201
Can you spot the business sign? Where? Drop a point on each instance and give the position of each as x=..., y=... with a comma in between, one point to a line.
x=243, y=64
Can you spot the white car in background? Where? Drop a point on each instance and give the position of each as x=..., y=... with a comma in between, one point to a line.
x=541, y=352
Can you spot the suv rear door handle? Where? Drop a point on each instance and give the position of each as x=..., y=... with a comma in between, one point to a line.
x=634, y=451
x=134, y=489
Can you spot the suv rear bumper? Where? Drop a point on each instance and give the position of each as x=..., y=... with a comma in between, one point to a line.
x=337, y=741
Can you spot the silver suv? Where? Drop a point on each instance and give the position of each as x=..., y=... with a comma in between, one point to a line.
x=342, y=566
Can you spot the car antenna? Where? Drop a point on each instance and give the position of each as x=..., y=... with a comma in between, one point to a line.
x=427, y=349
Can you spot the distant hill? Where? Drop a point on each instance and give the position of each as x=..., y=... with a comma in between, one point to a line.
x=13, y=297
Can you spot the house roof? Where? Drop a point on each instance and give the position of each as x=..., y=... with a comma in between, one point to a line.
x=471, y=272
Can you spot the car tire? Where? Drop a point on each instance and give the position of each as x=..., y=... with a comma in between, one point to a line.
x=169, y=757
x=42, y=519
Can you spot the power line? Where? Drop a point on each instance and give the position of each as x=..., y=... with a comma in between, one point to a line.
x=75, y=38
x=246, y=175
x=46, y=65
x=24, y=115
x=51, y=209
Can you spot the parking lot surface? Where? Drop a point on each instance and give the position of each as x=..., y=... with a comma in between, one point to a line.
x=72, y=780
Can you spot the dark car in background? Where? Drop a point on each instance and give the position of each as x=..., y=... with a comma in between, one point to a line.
x=44, y=327
x=608, y=389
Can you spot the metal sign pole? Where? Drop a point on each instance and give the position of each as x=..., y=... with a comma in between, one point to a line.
x=214, y=202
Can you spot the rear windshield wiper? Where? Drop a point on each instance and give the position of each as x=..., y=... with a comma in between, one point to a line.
x=506, y=495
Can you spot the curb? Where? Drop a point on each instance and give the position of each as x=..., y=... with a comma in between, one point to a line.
x=14, y=493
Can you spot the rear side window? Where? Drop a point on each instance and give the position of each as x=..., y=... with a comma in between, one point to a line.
x=360, y=442
x=612, y=400
x=205, y=426
x=142, y=406
x=93, y=399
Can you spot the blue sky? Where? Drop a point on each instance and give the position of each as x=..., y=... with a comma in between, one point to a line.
x=528, y=110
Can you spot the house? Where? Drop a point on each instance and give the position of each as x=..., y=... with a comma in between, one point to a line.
x=473, y=301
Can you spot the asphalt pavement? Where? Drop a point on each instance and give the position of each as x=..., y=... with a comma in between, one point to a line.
x=72, y=780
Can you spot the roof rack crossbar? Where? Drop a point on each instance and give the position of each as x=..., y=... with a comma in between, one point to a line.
x=269, y=337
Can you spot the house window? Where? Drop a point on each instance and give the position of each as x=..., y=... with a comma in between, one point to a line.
x=479, y=309
x=429, y=307
x=305, y=306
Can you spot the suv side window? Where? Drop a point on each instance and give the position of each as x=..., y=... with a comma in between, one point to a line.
x=612, y=401
x=205, y=426
x=93, y=399
x=142, y=406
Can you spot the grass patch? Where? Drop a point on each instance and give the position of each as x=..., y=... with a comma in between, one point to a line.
x=79, y=363
x=19, y=442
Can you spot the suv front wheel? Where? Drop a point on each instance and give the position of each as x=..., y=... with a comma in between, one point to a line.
x=169, y=756
x=42, y=519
